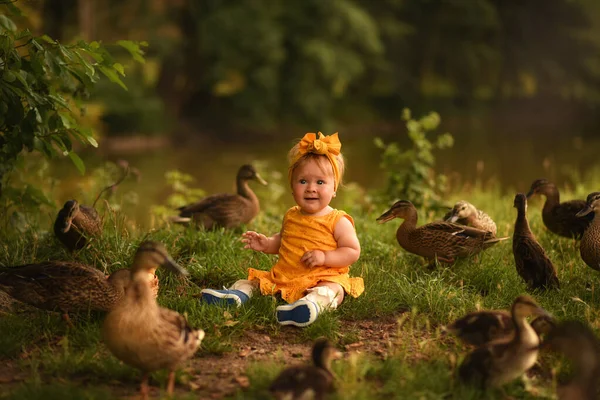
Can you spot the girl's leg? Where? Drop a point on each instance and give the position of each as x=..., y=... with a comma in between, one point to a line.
x=239, y=293
x=326, y=295
x=335, y=288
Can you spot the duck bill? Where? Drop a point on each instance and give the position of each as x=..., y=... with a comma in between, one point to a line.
x=173, y=266
x=385, y=217
x=261, y=180
x=529, y=194
x=453, y=218
x=65, y=227
x=585, y=211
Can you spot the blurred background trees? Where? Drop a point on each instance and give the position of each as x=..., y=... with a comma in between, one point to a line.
x=241, y=66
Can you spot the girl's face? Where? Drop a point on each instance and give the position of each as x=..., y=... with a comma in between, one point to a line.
x=313, y=186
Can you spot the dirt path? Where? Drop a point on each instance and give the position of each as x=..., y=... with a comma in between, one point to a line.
x=219, y=376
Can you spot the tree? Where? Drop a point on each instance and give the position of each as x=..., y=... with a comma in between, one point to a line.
x=42, y=85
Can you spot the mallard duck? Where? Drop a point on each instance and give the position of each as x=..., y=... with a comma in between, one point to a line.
x=64, y=286
x=225, y=210
x=141, y=333
x=589, y=248
x=466, y=213
x=481, y=327
x=579, y=344
x=75, y=224
x=499, y=362
x=303, y=381
x=533, y=265
x=439, y=240
x=559, y=217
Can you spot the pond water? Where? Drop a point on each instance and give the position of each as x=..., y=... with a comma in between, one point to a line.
x=513, y=164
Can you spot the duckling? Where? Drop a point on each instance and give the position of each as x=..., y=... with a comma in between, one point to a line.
x=589, y=248
x=75, y=224
x=533, y=265
x=64, y=286
x=559, y=217
x=465, y=213
x=481, y=327
x=225, y=210
x=315, y=380
x=439, y=240
x=577, y=342
x=506, y=359
x=141, y=333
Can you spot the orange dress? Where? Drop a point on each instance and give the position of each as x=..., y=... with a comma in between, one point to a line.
x=290, y=277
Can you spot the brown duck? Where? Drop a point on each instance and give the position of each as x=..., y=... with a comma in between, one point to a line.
x=299, y=382
x=443, y=241
x=589, y=248
x=465, y=213
x=64, y=286
x=499, y=362
x=141, y=333
x=578, y=343
x=76, y=223
x=533, y=265
x=558, y=217
x=225, y=210
x=481, y=327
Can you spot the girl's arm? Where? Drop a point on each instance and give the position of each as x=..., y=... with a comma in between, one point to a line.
x=347, y=252
x=259, y=242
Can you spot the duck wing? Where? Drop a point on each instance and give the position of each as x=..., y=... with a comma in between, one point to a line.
x=562, y=219
x=223, y=210
x=57, y=285
x=533, y=265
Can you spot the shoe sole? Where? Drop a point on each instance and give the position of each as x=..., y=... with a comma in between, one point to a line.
x=300, y=315
x=210, y=296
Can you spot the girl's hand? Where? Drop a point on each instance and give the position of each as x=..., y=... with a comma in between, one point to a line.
x=313, y=258
x=255, y=241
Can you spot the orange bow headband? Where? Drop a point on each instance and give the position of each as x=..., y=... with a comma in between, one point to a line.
x=329, y=146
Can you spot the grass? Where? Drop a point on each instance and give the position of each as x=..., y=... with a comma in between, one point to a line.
x=419, y=363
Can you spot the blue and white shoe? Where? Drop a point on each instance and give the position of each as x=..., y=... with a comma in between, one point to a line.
x=230, y=297
x=300, y=313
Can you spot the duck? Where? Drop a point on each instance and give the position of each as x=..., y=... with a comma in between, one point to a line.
x=501, y=361
x=144, y=335
x=64, y=286
x=76, y=224
x=576, y=341
x=478, y=328
x=225, y=210
x=300, y=382
x=559, y=218
x=465, y=213
x=533, y=265
x=589, y=248
x=440, y=240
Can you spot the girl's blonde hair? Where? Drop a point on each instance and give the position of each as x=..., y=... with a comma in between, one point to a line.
x=294, y=161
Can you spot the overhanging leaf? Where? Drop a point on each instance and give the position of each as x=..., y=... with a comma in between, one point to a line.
x=112, y=75
x=78, y=162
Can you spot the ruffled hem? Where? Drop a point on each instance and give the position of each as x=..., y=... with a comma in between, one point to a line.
x=295, y=290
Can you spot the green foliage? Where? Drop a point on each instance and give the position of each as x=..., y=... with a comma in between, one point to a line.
x=42, y=84
x=411, y=172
